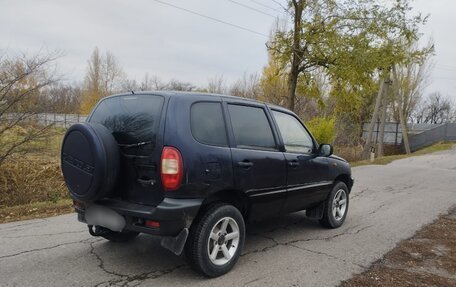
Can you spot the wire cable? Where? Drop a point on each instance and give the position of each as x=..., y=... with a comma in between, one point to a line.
x=252, y=8
x=211, y=18
x=278, y=3
x=266, y=6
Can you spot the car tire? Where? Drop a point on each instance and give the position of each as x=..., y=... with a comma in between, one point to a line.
x=115, y=236
x=336, y=206
x=216, y=240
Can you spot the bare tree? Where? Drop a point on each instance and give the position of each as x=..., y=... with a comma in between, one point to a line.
x=175, y=85
x=437, y=109
x=412, y=78
x=62, y=98
x=247, y=87
x=22, y=79
x=216, y=85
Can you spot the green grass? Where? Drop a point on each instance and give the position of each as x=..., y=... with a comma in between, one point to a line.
x=388, y=159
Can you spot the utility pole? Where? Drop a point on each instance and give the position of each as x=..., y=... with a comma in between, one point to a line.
x=385, y=102
x=370, y=131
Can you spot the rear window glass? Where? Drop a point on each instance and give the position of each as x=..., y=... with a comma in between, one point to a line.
x=207, y=124
x=132, y=119
x=251, y=127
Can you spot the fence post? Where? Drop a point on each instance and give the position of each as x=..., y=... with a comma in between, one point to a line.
x=45, y=119
x=397, y=131
x=64, y=119
x=78, y=118
x=378, y=126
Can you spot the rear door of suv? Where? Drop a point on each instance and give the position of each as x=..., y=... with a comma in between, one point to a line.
x=258, y=166
x=136, y=122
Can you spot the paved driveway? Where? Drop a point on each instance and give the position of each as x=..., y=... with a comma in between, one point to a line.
x=388, y=204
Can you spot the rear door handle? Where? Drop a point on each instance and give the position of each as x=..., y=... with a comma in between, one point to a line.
x=245, y=164
x=293, y=163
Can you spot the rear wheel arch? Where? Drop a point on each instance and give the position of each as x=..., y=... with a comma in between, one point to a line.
x=232, y=197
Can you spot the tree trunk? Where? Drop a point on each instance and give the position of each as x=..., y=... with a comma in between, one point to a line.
x=297, y=55
x=381, y=135
x=401, y=113
x=292, y=83
x=370, y=131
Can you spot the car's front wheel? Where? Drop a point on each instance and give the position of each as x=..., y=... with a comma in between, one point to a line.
x=336, y=206
x=216, y=240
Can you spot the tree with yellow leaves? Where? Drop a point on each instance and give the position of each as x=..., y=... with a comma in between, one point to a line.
x=103, y=78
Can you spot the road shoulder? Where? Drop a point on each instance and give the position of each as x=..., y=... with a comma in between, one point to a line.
x=426, y=259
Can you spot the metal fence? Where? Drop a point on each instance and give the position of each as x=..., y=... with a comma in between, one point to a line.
x=59, y=120
x=443, y=132
x=420, y=135
x=393, y=131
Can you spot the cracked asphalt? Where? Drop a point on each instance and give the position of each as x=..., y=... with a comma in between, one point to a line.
x=388, y=204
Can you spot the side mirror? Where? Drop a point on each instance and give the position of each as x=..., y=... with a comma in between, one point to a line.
x=325, y=150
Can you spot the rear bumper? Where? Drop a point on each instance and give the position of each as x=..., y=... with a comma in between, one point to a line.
x=173, y=214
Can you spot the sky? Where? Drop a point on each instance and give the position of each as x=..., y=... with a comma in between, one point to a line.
x=158, y=38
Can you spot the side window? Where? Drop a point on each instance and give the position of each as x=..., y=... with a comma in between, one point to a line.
x=207, y=123
x=294, y=135
x=251, y=127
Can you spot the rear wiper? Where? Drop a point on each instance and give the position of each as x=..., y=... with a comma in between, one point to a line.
x=135, y=144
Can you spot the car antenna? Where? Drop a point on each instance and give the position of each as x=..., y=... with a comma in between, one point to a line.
x=132, y=92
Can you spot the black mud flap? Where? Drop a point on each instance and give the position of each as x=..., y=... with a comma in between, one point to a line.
x=316, y=212
x=175, y=244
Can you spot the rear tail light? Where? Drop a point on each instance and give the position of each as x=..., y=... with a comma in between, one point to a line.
x=152, y=224
x=171, y=168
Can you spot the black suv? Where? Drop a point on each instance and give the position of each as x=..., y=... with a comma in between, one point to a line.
x=193, y=168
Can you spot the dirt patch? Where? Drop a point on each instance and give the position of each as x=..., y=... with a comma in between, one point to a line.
x=426, y=259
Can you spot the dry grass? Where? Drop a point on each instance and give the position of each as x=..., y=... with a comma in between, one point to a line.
x=31, y=178
x=31, y=185
x=353, y=153
x=35, y=210
x=387, y=159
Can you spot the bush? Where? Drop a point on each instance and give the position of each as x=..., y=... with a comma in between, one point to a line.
x=323, y=129
x=31, y=178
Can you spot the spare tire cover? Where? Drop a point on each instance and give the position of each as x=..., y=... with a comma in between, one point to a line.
x=90, y=161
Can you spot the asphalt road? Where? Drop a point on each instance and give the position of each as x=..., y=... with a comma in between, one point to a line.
x=388, y=204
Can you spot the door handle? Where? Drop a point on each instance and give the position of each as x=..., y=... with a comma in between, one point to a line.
x=245, y=164
x=293, y=163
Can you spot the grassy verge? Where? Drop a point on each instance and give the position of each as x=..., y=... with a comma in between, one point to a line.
x=388, y=159
x=35, y=210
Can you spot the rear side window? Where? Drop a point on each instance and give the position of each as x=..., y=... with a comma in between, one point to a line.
x=251, y=127
x=133, y=119
x=207, y=123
